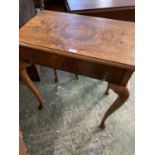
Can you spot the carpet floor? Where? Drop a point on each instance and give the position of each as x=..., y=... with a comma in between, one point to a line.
x=68, y=125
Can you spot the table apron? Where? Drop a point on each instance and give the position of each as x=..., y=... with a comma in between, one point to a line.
x=111, y=74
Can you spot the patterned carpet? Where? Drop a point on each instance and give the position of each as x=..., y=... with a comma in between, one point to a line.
x=68, y=125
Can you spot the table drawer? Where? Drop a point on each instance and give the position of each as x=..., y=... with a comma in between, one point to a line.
x=74, y=65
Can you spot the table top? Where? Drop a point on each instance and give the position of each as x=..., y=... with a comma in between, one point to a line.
x=76, y=5
x=98, y=39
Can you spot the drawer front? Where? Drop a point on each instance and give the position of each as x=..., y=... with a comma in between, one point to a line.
x=73, y=65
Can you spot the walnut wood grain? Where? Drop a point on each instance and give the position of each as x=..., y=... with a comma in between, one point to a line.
x=94, y=47
x=104, y=40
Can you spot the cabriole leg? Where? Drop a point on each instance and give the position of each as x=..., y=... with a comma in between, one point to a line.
x=24, y=76
x=123, y=95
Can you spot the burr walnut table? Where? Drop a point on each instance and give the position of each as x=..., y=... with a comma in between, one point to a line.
x=90, y=46
x=114, y=9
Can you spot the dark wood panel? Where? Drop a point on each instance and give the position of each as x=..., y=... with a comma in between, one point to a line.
x=26, y=11
x=119, y=14
x=115, y=9
x=77, y=5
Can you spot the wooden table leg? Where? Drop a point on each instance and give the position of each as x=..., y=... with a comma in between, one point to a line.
x=76, y=75
x=107, y=90
x=123, y=95
x=22, y=146
x=56, y=75
x=24, y=76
